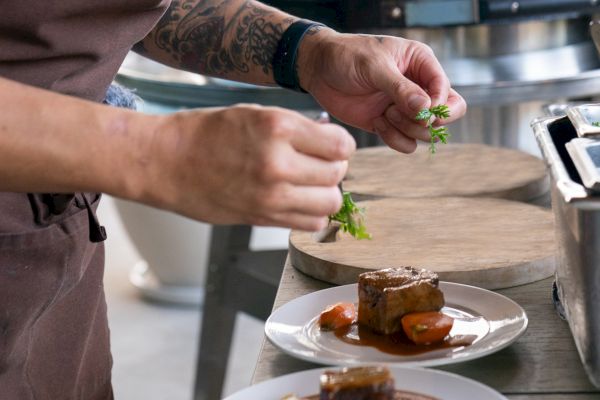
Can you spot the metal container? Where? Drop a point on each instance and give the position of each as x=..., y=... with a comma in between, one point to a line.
x=577, y=226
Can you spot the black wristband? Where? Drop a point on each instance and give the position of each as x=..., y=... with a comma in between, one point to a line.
x=284, y=59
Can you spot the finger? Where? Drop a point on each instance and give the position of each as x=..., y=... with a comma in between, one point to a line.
x=457, y=106
x=311, y=171
x=407, y=95
x=407, y=126
x=437, y=86
x=327, y=141
x=296, y=221
x=315, y=201
x=394, y=138
x=426, y=71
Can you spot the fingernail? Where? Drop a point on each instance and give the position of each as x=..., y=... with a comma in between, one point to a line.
x=379, y=125
x=344, y=166
x=417, y=102
x=394, y=115
x=351, y=143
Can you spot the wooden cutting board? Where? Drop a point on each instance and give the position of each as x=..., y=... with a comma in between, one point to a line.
x=491, y=243
x=455, y=170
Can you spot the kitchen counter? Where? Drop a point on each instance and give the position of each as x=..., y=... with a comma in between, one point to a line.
x=542, y=365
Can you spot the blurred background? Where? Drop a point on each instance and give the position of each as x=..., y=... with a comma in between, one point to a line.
x=511, y=60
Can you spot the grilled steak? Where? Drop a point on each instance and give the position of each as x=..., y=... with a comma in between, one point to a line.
x=386, y=295
x=365, y=383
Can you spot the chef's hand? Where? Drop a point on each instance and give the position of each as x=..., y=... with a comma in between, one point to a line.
x=248, y=164
x=376, y=83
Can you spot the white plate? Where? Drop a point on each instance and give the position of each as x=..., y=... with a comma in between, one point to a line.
x=294, y=329
x=438, y=384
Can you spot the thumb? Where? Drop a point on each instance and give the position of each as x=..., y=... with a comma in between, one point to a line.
x=408, y=97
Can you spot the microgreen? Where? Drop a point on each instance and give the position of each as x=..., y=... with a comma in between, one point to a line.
x=351, y=218
x=437, y=133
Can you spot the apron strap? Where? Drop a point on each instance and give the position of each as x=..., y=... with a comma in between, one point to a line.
x=97, y=231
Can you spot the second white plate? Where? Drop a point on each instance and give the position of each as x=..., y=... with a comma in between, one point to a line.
x=438, y=384
x=294, y=330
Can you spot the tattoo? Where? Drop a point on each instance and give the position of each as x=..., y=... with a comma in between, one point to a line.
x=314, y=30
x=200, y=38
x=380, y=39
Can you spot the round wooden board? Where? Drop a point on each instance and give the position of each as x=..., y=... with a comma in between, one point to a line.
x=491, y=243
x=468, y=170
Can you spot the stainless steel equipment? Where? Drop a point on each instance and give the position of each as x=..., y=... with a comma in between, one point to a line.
x=507, y=71
x=507, y=66
x=577, y=224
x=360, y=14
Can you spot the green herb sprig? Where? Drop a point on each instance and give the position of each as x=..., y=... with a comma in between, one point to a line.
x=441, y=112
x=351, y=218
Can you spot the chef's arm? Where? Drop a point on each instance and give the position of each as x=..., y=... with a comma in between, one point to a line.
x=55, y=143
x=232, y=39
x=238, y=165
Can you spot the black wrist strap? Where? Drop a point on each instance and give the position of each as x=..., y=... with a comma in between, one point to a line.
x=284, y=59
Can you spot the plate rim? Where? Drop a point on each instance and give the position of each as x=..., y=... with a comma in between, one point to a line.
x=408, y=364
x=393, y=368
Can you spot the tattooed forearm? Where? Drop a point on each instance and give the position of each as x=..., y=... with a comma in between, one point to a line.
x=226, y=38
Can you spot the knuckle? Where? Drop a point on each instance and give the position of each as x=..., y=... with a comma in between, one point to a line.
x=335, y=173
x=338, y=147
x=268, y=121
x=273, y=124
x=272, y=169
x=423, y=47
x=341, y=145
x=272, y=198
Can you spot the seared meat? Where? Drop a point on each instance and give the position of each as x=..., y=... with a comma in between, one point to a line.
x=365, y=383
x=386, y=295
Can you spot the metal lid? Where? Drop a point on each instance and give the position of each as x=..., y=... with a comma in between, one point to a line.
x=585, y=119
x=585, y=154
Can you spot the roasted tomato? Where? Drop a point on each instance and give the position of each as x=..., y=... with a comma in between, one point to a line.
x=427, y=327
x=337, y=316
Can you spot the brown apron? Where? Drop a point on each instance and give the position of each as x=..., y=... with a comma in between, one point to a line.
x=54, y=338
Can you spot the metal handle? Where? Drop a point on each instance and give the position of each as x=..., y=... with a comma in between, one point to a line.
x=498, y=9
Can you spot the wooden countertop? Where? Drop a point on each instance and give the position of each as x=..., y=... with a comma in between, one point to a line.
x=542, y=365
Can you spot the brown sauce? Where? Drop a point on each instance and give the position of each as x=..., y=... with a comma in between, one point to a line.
x=400, y=395
x=397, y=343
